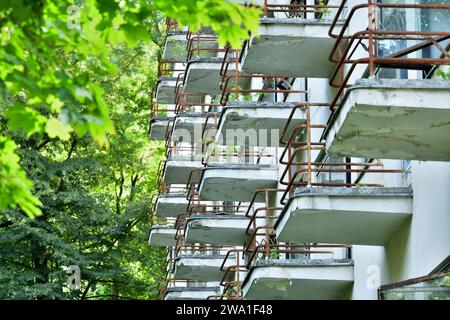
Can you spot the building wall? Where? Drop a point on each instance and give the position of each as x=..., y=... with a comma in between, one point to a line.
x=421, y=244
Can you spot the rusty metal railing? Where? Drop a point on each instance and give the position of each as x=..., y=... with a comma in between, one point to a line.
x=171, y=24
x=202, y=45
x=300, y=173
x=375, y=32
x=231, y=81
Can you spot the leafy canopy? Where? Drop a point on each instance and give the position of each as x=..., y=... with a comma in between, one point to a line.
x=46, y=47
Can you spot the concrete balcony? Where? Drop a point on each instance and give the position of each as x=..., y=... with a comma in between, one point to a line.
x=162, y=236
x=170, y=204
x=217, y=229
x=299, y=280
x=175, y=46
x=293, y=47
x=178, y=169
x=158, y=128
x=188, y=126
x=252, y=118
x=165, y=90
x=393, y=119
x=191, y=293
x=203, y=76
x=365, y=216
x=199, y=267
x=235, y=182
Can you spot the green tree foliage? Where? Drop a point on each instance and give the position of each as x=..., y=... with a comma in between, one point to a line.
x=77, y=172
x=46, y=49
x=95, y=202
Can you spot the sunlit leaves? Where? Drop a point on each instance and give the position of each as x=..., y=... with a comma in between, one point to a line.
x=56, y=129
x=47, y=46
x=21, y=117
x=15, y=188
x=443, y=74
x=231, y=21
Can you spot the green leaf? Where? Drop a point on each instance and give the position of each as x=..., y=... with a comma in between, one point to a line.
x=15, y=188
x=21, y=117
x=57, y=129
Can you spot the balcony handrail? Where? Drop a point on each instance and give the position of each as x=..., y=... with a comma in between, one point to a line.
x=346, y=44
x=300, y=173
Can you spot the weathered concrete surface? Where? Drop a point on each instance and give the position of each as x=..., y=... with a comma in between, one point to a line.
x=165, y=90
x=170, y=204
x=200, y=267
x=191, y=293
x=188, y=127
x=299, y=280
x=203, y=76
x=175, y=46
x=177, y=170
x=261, y=122
x=162, y=236
x=219, y=229
x=393, y=119
x=365, y=216
x=158, y=128
x=294, y=47
x=235, y=182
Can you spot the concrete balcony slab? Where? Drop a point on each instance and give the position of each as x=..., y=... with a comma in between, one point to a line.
x=177, y=170
x=364, y=216
x=191, y=293
x=165, y=90
x=188, y=126
x=293, y=47
x=235, y=182
x=261, y=122
x=162, y=236
x=299, y=280
x=203, y=76
x=170, y=204
x=200, y=267
x=158, y=128
x=393, y=119
x=219, y=229
x=175, y=46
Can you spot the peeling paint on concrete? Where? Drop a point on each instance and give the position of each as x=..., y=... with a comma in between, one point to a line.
x=393, y=119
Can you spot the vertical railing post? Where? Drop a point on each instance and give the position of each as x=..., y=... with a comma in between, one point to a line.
x=236, y=74
x=308, y=145
x=238, y=279
x=371, y=42
x=267, y=244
